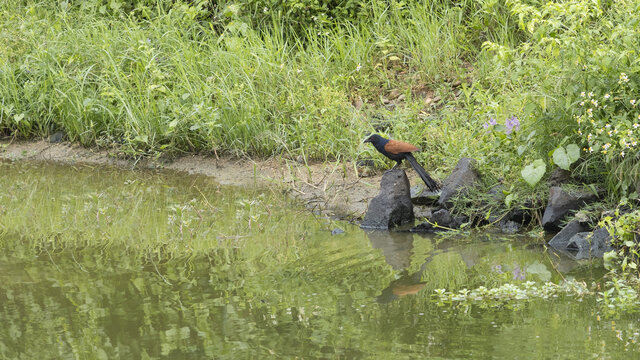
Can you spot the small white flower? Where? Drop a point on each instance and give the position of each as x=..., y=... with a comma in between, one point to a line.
x=636, y=125
x=607, y=126
x=623, y=78
x=265, y=10
x=622, y=153
x=594, y=102
x=590, y=94
x=606, y=146
x=607, y=96
x=358, y=67
x=581, y=103
x=633, y=102
x=590, y=149
x=583, y=94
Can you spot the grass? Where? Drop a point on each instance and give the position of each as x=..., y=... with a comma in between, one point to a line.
x=174, y=82
x=171, y=84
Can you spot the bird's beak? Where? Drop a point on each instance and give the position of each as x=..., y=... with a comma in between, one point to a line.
x=367, y=140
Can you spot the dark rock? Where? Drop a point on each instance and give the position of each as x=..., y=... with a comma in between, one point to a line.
x=520, y=215
x=337, y=231
x=420, y=195
x=423, y=227
x=584, y=245
x=559, y=177
x=561, y=240
x=561, y=202
x=459, y=220
x=497, y=193
x=56, y=137
x=509, y=227
x=442, y=217
x=392, y=206
x=462, y=177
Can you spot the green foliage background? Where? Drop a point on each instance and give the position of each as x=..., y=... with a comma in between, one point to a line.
x=311, y=78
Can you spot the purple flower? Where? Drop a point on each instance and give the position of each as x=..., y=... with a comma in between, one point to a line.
x=497, y=268
x=511, y=123
x=518, y=274
x=491, y=122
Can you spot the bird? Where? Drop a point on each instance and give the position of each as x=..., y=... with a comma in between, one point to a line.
x=398, y=151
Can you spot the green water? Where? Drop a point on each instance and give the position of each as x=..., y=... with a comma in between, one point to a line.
x=99, y=263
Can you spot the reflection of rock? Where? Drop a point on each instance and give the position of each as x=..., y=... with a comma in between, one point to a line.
x=396, y=247
x=392, y=206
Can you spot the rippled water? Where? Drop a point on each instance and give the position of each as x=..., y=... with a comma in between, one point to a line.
x=104, y=263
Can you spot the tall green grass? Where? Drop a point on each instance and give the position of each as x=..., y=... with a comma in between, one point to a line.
x=171, y=83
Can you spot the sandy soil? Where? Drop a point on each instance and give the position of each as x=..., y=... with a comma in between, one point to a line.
x=333, y=188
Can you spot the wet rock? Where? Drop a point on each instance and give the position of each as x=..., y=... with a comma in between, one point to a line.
x=56, y=137
x=509, y=227
x=462, y=177
x=420, y=195
x=562, y=202
x=337, y=231
x=442, y=217
x=497, y=193
x=424, y=227
x=559, y=177
x=584, y=245
x=522, y=216
x=392, y=206
x=561, y=240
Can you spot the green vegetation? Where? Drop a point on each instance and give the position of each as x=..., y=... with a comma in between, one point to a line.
x=307, y=78
x=522, y=86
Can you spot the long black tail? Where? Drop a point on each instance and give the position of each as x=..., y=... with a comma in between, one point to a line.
x=431, y=184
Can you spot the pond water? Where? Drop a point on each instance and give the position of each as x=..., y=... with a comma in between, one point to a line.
x=101, y=263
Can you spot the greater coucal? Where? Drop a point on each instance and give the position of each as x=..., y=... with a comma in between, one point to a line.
x=399, y=150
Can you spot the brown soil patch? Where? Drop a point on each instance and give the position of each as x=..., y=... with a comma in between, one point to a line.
x=333, y=188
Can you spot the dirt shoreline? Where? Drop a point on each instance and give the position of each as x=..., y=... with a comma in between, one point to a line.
x=332, y=188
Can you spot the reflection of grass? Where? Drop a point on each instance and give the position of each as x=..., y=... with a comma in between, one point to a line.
x=171, y=214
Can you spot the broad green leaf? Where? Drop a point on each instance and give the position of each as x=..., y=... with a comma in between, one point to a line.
x=573, y=152
x=533, y=172
x=561, y=158
x=539, y=269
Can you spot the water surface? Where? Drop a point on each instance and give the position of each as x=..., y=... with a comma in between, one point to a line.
x=101, y=263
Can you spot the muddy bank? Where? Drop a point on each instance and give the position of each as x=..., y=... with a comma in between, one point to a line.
x=330, y=187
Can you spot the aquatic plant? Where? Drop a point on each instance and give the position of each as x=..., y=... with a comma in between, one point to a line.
x=507, y=293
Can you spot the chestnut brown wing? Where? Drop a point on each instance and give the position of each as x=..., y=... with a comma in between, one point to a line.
x=396, y=147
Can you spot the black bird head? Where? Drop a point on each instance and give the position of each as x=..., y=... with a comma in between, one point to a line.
x=372, y=139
